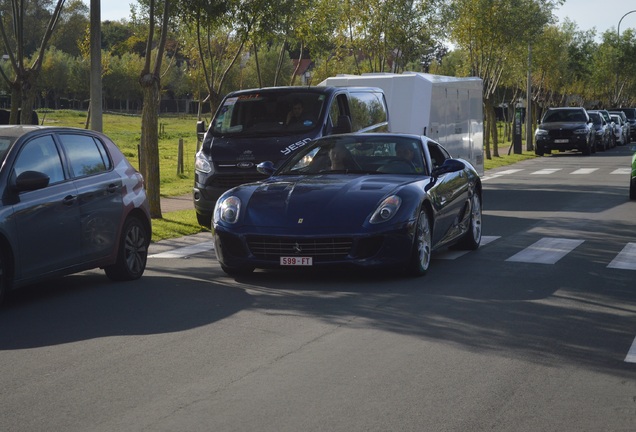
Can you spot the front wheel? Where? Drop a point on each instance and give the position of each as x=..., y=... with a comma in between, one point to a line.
x=472, y=238
x=133, y=252
x=632, y=189
x=422, y=246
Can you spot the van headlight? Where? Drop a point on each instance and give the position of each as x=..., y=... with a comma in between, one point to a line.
x=227, y=210
x=202, y=164
x=386, y=210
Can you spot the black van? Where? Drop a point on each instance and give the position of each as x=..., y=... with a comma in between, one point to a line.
x=269, y=124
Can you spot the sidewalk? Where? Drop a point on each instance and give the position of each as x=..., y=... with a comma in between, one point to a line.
x=175, y=203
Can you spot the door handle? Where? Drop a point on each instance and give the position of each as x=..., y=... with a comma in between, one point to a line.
x=69, y=200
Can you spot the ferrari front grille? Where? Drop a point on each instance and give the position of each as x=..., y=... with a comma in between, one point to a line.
x=321, y=249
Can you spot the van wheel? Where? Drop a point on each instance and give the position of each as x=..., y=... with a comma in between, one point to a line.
x=205, y=220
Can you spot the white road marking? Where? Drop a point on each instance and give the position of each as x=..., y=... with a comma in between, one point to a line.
x=584, y=171
x=546, y=251
x=631, y=354
x=500, y=173
x=622, y=171
x=448, y=254
x=510, y=171
x=185, y=251
x=546, y=171
x=626, y=259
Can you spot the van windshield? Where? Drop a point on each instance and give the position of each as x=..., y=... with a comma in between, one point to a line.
x=283, y=112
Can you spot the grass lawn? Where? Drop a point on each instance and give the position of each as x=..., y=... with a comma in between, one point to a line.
x=125, y=131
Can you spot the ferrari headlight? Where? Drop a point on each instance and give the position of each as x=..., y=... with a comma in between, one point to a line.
x=201, y=163
x=386, y=210
x=227, y=210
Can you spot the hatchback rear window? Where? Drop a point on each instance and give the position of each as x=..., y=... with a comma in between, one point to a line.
x=86, y=155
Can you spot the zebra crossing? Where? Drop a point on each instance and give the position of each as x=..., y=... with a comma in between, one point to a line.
x=546, y=251
x=549, y=171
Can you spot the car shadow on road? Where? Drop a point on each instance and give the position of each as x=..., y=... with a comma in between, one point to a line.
x=87, y=306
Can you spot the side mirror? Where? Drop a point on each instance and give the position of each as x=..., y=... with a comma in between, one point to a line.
x=200, y=130
x=449, y=166
x=266, y=168
x=30, y=181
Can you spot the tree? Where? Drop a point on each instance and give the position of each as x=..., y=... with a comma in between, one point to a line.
x=150, y=81
x=23, y=85
x=491, y=32
x=71, y=27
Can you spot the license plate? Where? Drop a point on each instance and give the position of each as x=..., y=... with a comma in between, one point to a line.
x=296, y=261
x=561, y=141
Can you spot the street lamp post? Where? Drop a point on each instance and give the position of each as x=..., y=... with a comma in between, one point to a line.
x=618, y=34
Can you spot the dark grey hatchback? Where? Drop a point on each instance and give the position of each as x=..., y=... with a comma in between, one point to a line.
x=70, y=202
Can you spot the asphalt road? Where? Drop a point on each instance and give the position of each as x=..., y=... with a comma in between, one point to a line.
x=532, y=332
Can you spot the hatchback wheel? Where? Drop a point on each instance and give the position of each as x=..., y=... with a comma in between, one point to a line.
x=133, y=252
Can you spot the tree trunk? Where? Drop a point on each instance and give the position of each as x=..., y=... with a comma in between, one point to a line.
x=149, y=155
x=16, y=95
x=27, y=96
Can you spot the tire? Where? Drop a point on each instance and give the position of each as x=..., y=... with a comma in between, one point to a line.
x=422, y=246
x=472, y=238
x=133, y=252
x=539, y=151
x=586, y=150
x=205, y=220
x=632, y=189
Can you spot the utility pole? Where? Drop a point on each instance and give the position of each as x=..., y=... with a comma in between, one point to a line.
x=618, y=42
x=529, y=142
x=95, y=108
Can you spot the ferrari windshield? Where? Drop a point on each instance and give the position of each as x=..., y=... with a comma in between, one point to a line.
x=282, y=112
x=363, y=153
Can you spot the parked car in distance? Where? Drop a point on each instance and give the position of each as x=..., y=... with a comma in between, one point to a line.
x=630, y=113
x=606, y=115
x=625, y=124
x=602, y=131
x=565, y=128
x=353, y=200
x=621, y=130
x=70, y=202
x=632, y=181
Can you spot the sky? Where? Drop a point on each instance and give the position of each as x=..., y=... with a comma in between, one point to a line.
x=585, y=13
x=603, y=15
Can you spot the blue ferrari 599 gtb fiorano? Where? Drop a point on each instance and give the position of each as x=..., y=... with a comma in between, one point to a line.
x=360, y=200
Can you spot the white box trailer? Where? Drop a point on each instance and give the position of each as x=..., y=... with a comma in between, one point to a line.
x=448, y=110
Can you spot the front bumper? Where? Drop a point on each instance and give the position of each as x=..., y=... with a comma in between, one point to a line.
x=258, y=249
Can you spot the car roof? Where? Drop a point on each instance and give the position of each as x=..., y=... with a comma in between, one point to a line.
x=16, y=131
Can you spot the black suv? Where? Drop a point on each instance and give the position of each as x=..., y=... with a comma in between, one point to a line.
x=565, y=129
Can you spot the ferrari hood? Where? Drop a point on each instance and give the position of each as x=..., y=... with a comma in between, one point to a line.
x=317, y=202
